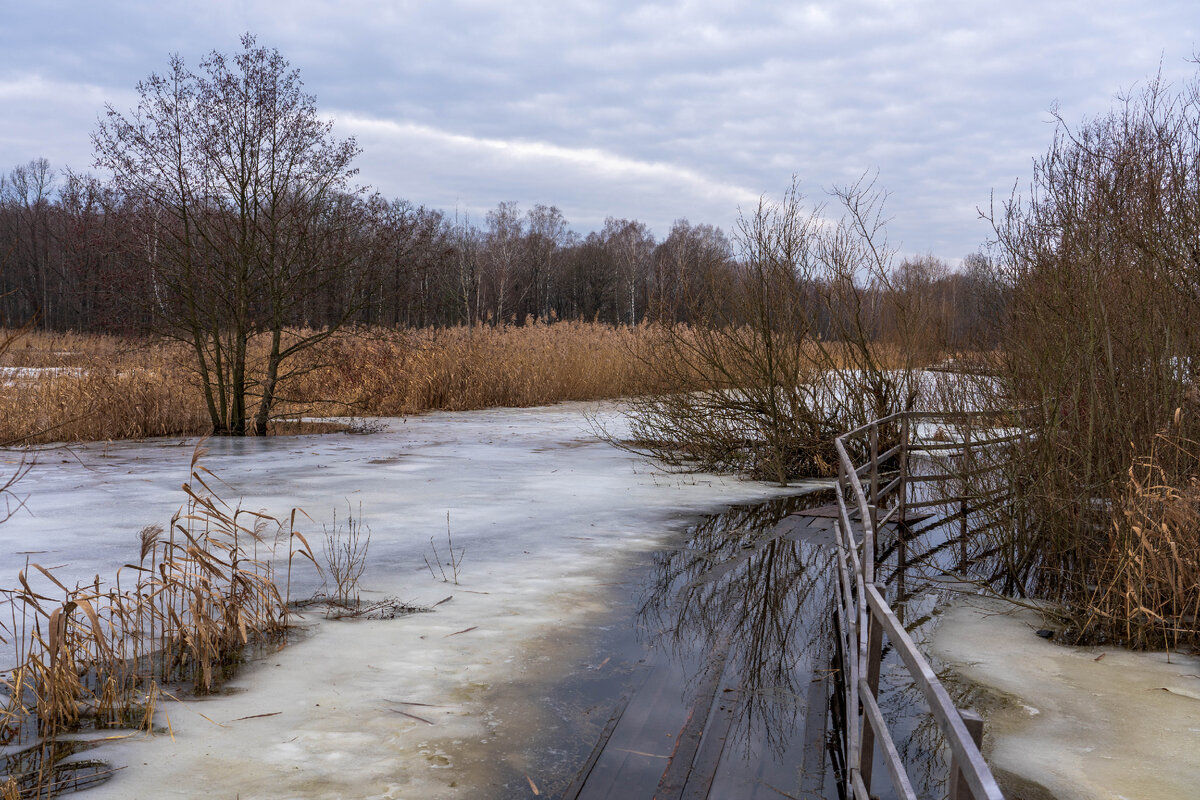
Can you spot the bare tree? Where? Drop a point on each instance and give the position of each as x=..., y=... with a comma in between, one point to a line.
x=782, y=350
x=691, y=257
x=502, y=257
x=246, y=206
x=631, y=248
x=1101, y=260
x=546, y=230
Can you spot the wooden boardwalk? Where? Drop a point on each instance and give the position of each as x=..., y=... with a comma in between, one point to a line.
x=689, y=733
x=673, y=739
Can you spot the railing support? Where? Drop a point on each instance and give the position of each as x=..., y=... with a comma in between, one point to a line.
x=959, y=789
x=874, y=657
x=901, y=521
x=964, y=529
x=874, y=504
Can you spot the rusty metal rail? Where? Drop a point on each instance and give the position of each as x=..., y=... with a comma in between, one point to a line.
x=864, y=615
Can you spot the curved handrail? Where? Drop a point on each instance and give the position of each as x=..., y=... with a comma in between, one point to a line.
x=867, y=617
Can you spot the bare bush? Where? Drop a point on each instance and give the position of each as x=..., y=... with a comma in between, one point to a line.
x=345, y=548
x=803, y=337
x=1101, y=263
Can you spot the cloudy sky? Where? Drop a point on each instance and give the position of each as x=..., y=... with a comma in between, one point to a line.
x=654, y=112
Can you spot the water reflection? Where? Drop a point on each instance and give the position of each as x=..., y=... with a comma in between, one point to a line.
x=757, y=601
x=712, y=676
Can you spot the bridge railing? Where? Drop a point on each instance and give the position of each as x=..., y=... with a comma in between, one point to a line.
x=878, y=492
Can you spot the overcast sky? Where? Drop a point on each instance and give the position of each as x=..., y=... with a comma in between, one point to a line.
x=653, y=112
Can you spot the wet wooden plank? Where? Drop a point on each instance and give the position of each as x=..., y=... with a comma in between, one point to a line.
x=687, y=744
x=813, y=530
x=712, y=745
x=572, y=791
x=633, y=754
x=816, y=720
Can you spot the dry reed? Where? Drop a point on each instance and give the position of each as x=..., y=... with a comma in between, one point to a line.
x=1147, y=587
x=69, y=387
x=386, y=373
x=97, y=654
x=73, y=387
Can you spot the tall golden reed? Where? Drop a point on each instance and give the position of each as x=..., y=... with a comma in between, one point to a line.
x=67, y=387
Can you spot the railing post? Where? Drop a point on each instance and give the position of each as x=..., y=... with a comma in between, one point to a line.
x=874, y=657
x=959, y=789
x=902, y=492
x=874, y=504
x=964, y=528
x=901, y=521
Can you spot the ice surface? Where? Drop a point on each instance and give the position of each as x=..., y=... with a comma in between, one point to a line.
x=547, y=515
x=1082, y=722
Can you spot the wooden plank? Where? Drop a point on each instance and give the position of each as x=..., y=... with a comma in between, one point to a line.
x=712, y=745
x=890, y=487
x=812, y=766
x=852, y=478
x=889, y=454
x=936, y=446
x=874, y=498
x=849, y=645
x=881, y=421
x=959, y=789
x=581, y=777
x=871, y=687
x=687, y=742
x=939, y=478
x=636, y=738
x=860, y=791
x=834, y=511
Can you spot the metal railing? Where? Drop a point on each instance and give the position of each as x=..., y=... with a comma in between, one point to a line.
x=864, y=616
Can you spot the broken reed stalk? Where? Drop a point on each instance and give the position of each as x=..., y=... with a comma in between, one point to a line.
x=455, y=558
x=97, y=654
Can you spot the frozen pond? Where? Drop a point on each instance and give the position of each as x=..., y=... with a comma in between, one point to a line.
x=426, y=706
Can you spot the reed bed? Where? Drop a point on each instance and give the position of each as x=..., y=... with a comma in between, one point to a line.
x=99, y=655
x=1147, y=587
x=57, y=387
x=395, y=373
x=70, y=387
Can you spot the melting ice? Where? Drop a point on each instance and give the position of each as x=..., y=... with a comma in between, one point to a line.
x=545, y=512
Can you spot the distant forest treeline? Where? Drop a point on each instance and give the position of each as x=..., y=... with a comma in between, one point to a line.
x=70, y=259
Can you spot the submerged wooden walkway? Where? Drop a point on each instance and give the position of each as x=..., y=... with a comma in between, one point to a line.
x=666, y=743
x=655, y=746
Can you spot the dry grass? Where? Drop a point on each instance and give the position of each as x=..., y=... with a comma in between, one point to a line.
x=71, y=387
x=67, y=387
x=380, y=373
x=1147, y=590
x=98, y=655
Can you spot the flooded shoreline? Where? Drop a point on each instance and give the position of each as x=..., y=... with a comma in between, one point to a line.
x=549, y=519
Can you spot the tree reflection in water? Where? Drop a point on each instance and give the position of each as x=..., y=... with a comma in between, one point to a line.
x=721, y=687
x=755, y=601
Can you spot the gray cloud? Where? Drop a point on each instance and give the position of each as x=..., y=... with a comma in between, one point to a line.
x=657, y=111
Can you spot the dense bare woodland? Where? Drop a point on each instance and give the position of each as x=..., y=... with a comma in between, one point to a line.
x=70, y=261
